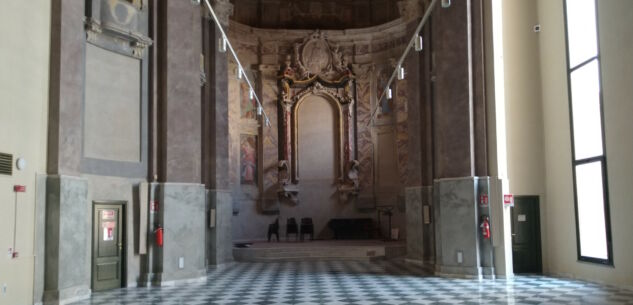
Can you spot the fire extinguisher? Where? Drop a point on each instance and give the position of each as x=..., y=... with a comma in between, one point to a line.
x=158, y=234
x=485, y=227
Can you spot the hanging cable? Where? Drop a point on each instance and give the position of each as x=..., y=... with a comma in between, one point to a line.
x=226, y=44
x=412, y=42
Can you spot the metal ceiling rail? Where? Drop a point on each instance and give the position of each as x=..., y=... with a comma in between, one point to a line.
x=239, y=64
x=425, y=18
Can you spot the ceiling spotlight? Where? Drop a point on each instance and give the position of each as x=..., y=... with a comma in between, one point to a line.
x=446, y=3
x=222, y=45
x=251, y=94
x=419, y=43
x=195, y=2
x=400, y=73
x=389, y=94
x=259, y=110
x=267, y=122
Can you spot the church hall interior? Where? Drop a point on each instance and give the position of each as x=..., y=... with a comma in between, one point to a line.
x=316, y=152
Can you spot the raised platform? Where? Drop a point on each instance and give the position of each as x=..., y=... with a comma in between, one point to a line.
x=319, y=250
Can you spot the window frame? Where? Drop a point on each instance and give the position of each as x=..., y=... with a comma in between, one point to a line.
x=602, y=159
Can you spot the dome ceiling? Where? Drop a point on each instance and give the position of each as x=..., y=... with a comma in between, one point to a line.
x=314, y=14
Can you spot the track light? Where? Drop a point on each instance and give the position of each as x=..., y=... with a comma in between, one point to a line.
x=419, y=43
x=259, y=110
x=251, y=94
x=446, y=3
x=400, y=73
x=389, y=95
x=267, y=122
x=239, y=72
x=222, y=45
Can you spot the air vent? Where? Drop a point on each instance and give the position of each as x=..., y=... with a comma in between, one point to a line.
x=6, y=164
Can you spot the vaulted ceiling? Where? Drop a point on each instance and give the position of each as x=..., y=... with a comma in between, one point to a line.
x=314, y=14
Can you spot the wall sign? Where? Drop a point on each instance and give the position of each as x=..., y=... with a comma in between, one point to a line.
x=107, y=214
x=508, y=200
x=483, y=200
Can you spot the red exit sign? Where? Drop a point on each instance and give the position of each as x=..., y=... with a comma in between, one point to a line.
x=19, y=188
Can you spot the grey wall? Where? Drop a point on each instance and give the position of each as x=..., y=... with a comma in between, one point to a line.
x=112, y=106
x=179, y=50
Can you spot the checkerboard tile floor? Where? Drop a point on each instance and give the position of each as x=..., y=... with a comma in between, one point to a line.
x=362, y=283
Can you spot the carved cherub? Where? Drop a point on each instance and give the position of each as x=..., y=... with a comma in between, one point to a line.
x=352, y=173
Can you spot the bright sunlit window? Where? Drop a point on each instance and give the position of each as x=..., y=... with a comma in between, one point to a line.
x=589, y=161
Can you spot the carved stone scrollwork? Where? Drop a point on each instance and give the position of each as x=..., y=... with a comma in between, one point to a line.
x=286, y=189
x=138, y=48
x=115, y=24
x=320, y=69
x=93, y=28
x=223, y=10
x=315, y=56
x=349, y=185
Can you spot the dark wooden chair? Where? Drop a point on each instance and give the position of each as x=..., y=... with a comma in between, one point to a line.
x=292, y=227
x=307, y=227
x=273, y=229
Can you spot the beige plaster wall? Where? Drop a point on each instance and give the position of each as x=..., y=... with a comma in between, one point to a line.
x=524, y=120
x=538, y=130
x=614, y=23
x=24, y=58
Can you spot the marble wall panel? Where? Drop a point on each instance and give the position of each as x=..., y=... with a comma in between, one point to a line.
x=457, y=227
x=402, y=132
x=270, y=142
x=68, y=220
x=219, y=239
x=364, y=139
x=234, y=127
x=183, y=205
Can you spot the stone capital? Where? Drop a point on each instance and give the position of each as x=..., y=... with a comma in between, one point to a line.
x=223, y=10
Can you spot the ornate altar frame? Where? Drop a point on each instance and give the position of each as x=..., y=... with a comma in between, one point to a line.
x=317, y=69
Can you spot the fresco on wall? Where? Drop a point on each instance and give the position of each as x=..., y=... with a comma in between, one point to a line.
x=248, y=159
x=386, y=105
x=248, y=107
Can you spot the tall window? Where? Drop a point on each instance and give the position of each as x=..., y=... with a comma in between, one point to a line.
x=593, y=228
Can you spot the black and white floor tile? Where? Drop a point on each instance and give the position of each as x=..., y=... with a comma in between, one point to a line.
x=361, y=283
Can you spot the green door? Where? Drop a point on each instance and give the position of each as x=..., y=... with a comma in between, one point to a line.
x=526, y=235
x=107, y=249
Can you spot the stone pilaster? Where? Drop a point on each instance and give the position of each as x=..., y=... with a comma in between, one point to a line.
x=218, y=241
x=66, y=87
x=68, y=234
x=179, y=76
x=219, y=238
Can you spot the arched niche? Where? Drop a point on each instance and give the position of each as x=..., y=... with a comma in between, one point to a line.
x=317, y=70
x=318, y=137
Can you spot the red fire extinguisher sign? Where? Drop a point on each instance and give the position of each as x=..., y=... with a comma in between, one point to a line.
x=483, y=200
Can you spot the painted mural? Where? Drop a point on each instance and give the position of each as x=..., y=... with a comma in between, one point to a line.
x=248, y=159
x=247, y=105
